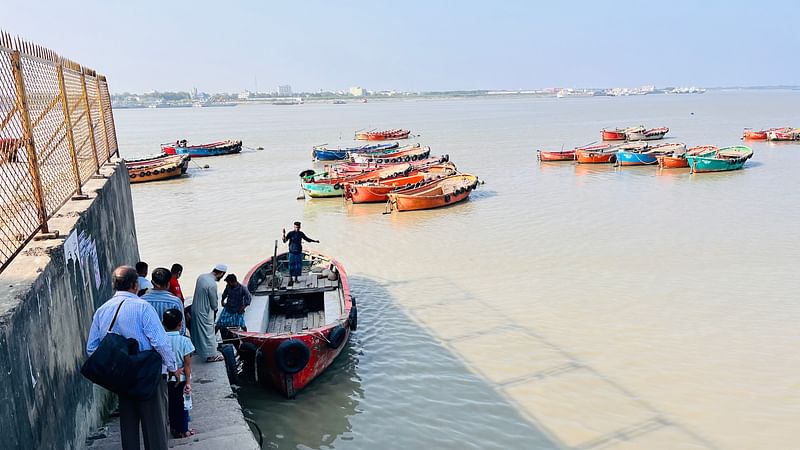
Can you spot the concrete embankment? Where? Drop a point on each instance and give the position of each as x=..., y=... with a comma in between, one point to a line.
x=50, y=292
x=216, y=415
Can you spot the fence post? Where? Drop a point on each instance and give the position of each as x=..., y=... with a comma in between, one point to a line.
x=73, y=155
x=103, y=118
x=27, y=130
x=89, y=120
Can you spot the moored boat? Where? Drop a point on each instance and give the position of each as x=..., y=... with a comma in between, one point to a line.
x=563, y=155
x=597, y=154
x=213, y=149
x=677, y=160
x=442, y=192
x=378, y=191
x=323, y=153
x=647, y=155
x=722, y=160
x=157, y=168
x=404, y=154
x=294, y=332
x=784, y=134
x=754, y=135
x=326, y=185
x=651, y=134
x=385, y=135
x=617, y=134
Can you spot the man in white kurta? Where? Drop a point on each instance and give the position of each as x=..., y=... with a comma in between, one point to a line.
x=204, y=307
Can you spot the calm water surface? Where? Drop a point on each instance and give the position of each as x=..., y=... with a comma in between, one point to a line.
x=562, y=306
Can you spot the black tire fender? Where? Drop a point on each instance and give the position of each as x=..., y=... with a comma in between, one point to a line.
x=133, y=175
x=336, y=337
x=337, y=186
x=229, y=354
x=447, y=198
x=292, y=356
x=352, y=320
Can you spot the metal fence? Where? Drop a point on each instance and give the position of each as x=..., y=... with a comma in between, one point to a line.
x=56, y=130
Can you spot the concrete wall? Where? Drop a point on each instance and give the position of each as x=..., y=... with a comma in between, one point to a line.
x=46, y=308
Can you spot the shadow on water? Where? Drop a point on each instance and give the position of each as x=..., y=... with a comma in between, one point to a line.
x=392, y=377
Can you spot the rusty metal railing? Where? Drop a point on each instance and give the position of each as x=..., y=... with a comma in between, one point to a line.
x=56, y=130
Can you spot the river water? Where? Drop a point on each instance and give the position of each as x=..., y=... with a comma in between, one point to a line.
x=562, y=306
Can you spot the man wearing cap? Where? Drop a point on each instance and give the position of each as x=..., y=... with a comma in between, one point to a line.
x=296, y=239
x=204, y=308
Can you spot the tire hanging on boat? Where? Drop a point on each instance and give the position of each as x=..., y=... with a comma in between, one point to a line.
x=292, y=356
x=337, y=186
x=352, y=319
x=230, y=362
x=336, y=337
x=447, y=198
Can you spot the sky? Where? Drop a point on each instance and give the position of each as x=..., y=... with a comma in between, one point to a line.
x=429, y=45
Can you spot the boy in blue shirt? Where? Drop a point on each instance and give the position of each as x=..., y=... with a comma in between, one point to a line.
x=176, y=388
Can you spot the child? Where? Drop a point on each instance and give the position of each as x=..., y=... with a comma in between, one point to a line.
x=176, y=388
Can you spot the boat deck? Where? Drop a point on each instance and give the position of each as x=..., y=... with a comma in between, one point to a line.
x=308, y=281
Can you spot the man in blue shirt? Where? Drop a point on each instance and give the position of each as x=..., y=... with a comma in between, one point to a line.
x=160, y=297
x=136, y=320
x=295, y=239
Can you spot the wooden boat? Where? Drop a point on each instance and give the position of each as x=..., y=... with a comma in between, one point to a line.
x=295, y=332
x=677, y=160
x=156, y=168
x=617, y=134
x=378, y=191
x=722, y=160
x=385, y=135
x=323, y=153
x=324, y=185
x=647, y=155
x=414, y=153
x=646, y=135
x=345, y=169
x=213, y=149
x=784, y=134
x=442, y=192
x=564, y=155
x=597, y=154
x=754, y=135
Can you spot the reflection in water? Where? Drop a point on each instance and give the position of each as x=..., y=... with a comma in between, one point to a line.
x=392, y=387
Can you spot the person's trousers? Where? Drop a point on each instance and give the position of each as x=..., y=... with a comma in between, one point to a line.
x=151, y=414
x=178, y=417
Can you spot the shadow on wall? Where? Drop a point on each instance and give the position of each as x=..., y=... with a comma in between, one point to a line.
x=393, y=386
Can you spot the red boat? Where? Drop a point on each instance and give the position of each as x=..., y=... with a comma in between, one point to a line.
x=784, y=134
x=294, y=332
x=677, y=160
x=564, y=155
x=405, y=155
x=385, y=135
x=617, y=134
x=345, y=169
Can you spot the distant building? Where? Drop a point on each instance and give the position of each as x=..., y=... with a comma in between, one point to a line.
x=357, y=91
x=244, y=95
x=284, y=90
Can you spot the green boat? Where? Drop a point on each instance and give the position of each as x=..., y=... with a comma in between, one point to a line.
x=320, y=190
x=722, y=160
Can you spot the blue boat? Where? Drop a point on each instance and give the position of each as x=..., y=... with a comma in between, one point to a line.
x=631, y=158
x=322, y=153
x=214, y=149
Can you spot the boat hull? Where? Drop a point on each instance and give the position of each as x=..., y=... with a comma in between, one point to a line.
x=567, y=155
x=200, y=151
x=323, y=190
x=672, y=162
x=755, y=135
x=612, y=135
x=158, y=168
x=699, y=164
x=444, y=192
x=376, y=193
x=595, y=157
x=625, y=158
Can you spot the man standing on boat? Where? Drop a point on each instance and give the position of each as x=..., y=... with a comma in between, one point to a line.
x=295, y=239
x=204, y=309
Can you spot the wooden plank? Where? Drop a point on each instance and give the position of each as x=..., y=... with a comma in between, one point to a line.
x=305, y=322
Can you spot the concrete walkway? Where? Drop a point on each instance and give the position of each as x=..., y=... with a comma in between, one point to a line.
x=216, y=415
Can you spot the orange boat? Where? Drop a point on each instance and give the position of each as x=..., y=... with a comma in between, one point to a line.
x=564, y=155
x=442, y=192
x=162, y=167
x=597, y=154
x=755, y=135
x=679, y=161
x=378, y=191
x=385, y=135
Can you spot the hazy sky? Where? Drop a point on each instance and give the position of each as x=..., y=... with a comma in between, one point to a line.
x=416, y=45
